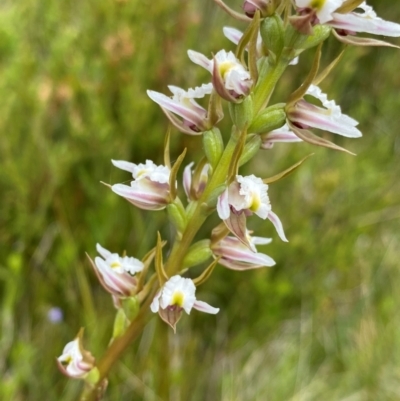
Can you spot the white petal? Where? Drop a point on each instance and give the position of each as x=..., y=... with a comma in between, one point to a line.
x=200, y=59
x=205, y=307
x=103, y=251
x=278, y=225
x=187, y=179
x=123, y=165
x=233, y=34
x=155, y=305
x=356, y=22
x=223, y=209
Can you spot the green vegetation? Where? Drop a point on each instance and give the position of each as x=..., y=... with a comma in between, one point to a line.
x=321, y=325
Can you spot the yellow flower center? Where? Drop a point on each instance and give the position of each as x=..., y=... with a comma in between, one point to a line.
x=317, y=4
x=255, y=203
x=225, y=67
x=140, y=173
x=178, y=298
x=115, y=265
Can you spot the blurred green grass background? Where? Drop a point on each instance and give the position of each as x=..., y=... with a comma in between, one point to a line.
x=323, y=324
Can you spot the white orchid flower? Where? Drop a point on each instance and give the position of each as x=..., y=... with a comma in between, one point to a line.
x=244, y=196
x=75, y=362
x=116, y=273
x=176, y=295
x=230, y=78
x=329, y=118
x=150, y=188
x=183, y=103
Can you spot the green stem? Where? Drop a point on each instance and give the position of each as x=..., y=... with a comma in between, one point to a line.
x=174, y=263
x=266, y=86
x=199, y=214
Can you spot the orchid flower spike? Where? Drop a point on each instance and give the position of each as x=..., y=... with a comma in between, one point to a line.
x=283, y=134
x=75, y=362
x=245, y=196
x=230, y=78
x=150, y=188
x=176, y=295
x=330, y=118
x=237, y=256
x=116, y=273
x=182, y=103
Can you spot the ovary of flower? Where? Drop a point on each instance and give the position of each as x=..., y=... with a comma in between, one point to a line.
x=236, y=78
x=74, y=361
x=366, y=21
x=179, y=293
x=329, y=118
x=117, y=273
x=322, y=8
x=150, y=188
x=183, y=104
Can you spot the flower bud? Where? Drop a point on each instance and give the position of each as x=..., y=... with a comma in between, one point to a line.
x=76, y=362
x=272, y=33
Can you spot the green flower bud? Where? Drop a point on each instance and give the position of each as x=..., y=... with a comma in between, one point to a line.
x=242, y=113
x=198, y=253
x=273, y=33
x=271, y=118
x=213, y=146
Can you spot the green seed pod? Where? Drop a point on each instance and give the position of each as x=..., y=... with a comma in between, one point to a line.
x=321, y=32
x=213, y=146
x=242, y=113
x=131, y=307
x=250, y=149
x=273, y=33
x=198, y=253
x=177, y=215
x=271, y=118
x=120, y=323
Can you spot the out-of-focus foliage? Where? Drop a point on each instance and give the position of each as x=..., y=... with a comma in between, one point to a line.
x=322, y=324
